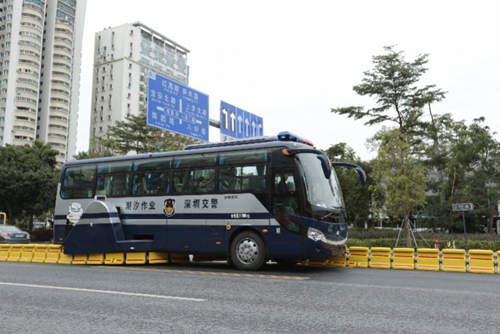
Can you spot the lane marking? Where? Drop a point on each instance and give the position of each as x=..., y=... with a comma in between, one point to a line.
x=213, y=273
x=110, y=292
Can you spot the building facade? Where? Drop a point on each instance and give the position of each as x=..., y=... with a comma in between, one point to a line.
x=40, y=55
x=123, y=56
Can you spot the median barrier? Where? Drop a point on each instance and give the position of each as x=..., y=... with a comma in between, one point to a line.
x=428, y=259
x=39, y=254
x=4, y=252
x=157, y=257
x=79, y=259
x=135, y=258
x=15, y=252
x=114, y=258
x=403, y=258
x=97, y=258
x=339, y=261
x=380, y=257
x=481, y=261
x=358, y=257
x=27, y=253
x=65, y=258
x=53, y=253
x=454, y=260
x=498, y=261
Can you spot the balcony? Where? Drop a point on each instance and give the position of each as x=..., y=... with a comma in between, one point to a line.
x=55, y=140
x=59, y=104
x=32, y=11
x=59, y=113
x=60, y=95
x=31, y=39
x=26, y=104
x=63, y=52
x=63, y=61
x=61, y=77
x=67, y=26
x=57, y=85
x=25, y=133
x=56, y=121
x=26, y=123
x=58, y=131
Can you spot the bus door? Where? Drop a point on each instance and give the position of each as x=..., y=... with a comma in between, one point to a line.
x=286, y=201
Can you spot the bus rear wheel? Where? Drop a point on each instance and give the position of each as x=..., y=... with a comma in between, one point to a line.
x=247, y=251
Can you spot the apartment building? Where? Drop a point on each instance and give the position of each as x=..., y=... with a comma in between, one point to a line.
x=40, y=58
x=123, y=56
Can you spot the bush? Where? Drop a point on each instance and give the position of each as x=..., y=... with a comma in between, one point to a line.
x=390, y=242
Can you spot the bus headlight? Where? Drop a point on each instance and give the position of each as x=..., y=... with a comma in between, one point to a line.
x=315, y=234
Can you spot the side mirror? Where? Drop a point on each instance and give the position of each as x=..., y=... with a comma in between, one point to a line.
x=325, y=165
x=357, y=168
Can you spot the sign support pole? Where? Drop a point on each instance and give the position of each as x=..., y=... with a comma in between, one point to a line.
x=465, y=232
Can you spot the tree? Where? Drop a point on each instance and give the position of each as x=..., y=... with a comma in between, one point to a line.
x=356, y=197
x=135, y=135
x=28, y=180
x=399, y=179
x=393, y=83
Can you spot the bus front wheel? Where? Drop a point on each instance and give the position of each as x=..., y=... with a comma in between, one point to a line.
x=247, y=251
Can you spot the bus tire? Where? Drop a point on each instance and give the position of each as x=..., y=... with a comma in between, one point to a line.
x=247, y=251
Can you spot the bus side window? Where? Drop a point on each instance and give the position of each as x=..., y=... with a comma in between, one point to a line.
x=78, y=182
x=202, y=180
x=181, y=181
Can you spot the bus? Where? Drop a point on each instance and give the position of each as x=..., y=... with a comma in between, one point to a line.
x=248, y=201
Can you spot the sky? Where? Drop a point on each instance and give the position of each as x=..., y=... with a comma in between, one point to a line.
x=291, y=61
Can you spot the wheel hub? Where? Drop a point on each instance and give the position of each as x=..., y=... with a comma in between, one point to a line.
x=247, y=251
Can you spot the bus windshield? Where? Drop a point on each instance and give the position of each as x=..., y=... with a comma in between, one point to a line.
x=321, y=192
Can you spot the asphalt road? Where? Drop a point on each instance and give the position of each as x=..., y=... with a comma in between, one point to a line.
x=212, y=298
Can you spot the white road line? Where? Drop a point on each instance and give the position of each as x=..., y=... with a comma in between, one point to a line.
x=110, y=292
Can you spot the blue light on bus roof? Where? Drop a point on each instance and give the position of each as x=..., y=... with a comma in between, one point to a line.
x=288, y=136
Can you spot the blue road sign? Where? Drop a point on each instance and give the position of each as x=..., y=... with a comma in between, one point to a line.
x=177, y=108
x=238, y=123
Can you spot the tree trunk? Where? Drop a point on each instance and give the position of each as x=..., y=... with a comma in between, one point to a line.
x=490, y=223
x=408, y=231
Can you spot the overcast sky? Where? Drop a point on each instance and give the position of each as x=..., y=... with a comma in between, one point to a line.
x=291, y=61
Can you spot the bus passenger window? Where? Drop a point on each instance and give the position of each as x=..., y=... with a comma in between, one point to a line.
x=203, y=180
x=228, y=179
x=78, y=182
x=181, y=181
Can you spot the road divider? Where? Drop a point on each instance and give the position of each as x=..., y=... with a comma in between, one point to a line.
x=380, y=257
x=481, y=261
x=358, y=257
x=450, y=260
x=454, y=260
x=403, y=258
x=428, y=259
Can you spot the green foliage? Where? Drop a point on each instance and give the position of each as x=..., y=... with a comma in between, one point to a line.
x=28, y=180
x=399, y=178
x=41, y=234
x=135, y=135
x=393, y=84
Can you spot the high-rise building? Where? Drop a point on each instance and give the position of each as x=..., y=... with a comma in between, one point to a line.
x=40, y=55
x=122, y=57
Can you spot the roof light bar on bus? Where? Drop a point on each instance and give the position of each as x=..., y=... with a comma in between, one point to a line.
x=288, y=136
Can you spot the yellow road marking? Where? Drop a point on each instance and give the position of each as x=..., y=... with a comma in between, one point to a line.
x=213, y=273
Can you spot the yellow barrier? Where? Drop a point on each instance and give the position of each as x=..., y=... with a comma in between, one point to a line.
x=114, y=258
x=53, y=253
x=339, y=261
x=157, y=257
x=15, y=252
x=481, y=261
x=380, y=257
x=428, y=259
x=79, y=259
x=403, y=258
x=358, y=257
x=65, y=258
x=27, y=253
x=135, y=258
x=454, y=260
x=4, y=252
x=97, y=258
x=39, y=254
x=183, y=258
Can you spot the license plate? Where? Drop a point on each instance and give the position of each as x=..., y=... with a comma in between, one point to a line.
x=20, y=235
